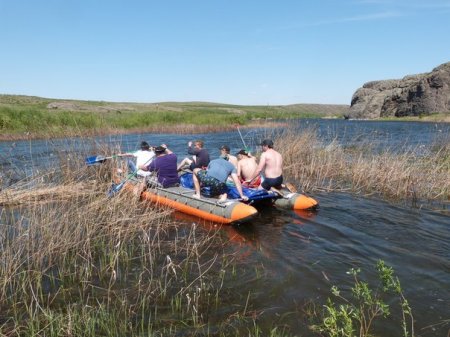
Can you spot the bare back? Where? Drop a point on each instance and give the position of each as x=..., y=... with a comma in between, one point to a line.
x=271, y=164
x=246, y=168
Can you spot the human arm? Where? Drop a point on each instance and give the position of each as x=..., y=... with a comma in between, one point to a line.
x=260, y=167
x=238, y=186
x=192, y=150
x=148, y=167
x=125, y=154
x=167, y=149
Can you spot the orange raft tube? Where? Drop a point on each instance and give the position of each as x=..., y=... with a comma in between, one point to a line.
x=181, y=199
x=295, y=201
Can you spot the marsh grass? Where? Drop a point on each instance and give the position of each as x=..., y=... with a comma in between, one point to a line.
x=73, y=262
x=407, y=174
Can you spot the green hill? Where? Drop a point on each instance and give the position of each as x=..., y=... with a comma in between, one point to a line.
x=43, y=116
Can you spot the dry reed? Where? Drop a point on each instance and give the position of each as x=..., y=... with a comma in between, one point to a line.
x=399, y=175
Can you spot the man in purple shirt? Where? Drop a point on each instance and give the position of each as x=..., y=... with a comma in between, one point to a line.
x=165, y=166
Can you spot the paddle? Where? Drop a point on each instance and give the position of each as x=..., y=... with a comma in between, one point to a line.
x=242, y=138
x=94, y=160
x=115, y=188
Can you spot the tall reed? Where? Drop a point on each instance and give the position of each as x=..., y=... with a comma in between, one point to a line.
x=400, y=175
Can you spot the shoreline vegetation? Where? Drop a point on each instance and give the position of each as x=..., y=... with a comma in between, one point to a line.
x=99, y=268
x=29, y=117
x=398, y=175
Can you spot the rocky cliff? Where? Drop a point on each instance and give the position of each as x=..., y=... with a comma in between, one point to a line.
x=413, y=95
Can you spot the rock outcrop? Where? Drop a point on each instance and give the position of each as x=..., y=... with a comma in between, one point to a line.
x=414, y=95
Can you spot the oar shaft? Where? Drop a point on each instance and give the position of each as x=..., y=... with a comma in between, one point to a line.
x=242, y=138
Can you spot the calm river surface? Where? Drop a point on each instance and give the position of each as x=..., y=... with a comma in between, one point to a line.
x=302, y=254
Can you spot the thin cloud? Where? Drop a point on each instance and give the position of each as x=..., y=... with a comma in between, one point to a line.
x=370, y=17
x=407, y=5
x=363, y=17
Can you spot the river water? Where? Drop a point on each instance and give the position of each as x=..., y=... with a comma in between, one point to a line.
x=302, y=254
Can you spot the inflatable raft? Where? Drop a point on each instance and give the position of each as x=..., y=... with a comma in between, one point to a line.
x=181, y=198
x=232, y=210
x=288, y=200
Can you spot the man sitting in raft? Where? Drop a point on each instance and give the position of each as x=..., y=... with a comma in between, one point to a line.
x=246, y=168
x=143, y=157
x=270, y=164
x=165, y=166
x=225, y=151
x=215, y=177
x=200, y=158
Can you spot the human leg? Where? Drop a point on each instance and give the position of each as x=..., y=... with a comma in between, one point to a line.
x=131, y=166
x=186, y=161
x=196, y=183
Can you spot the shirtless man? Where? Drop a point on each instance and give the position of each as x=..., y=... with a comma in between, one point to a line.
x=246, y=167
x=270, y=164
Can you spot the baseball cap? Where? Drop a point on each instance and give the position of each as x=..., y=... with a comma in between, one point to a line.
x=267, y=142
x=225, y=147
x=160, y=149
x=144, y=146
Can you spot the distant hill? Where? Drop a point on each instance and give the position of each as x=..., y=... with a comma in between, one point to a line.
x=26, y=117
x=102, y=107
x=414, y=95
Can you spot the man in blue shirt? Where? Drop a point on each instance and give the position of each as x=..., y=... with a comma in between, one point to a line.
x=215, y=177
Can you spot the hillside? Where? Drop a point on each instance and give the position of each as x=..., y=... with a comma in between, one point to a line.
x=317, y=110
x=46, y=117
x=413, y=95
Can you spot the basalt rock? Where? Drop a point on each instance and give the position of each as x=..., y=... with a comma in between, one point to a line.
x=413, y=95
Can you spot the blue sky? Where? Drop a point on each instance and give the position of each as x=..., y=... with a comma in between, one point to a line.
x=238, y=52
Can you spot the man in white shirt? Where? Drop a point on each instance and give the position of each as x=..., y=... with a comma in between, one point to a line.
x=144, y=156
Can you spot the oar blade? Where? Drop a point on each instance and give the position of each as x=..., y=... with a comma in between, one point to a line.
x=95, y=160
x=115, y=188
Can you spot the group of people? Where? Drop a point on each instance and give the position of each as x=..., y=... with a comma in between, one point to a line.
x=243, y=169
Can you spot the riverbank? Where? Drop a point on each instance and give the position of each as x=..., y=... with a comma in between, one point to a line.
x=27, y=117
